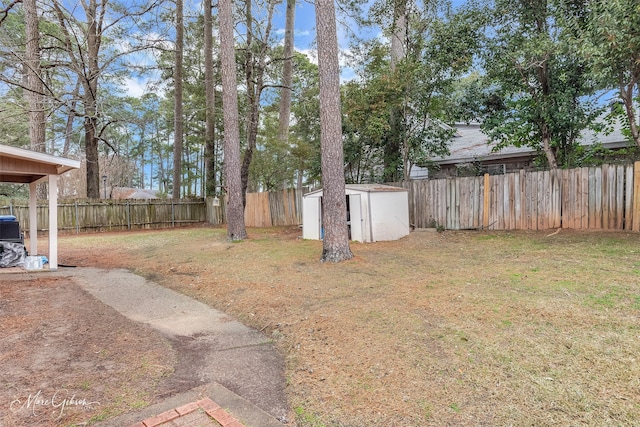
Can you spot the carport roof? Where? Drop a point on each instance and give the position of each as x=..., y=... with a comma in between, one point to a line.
x=21, y=166
x=18, y=165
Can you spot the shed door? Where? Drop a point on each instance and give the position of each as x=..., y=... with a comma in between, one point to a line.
x=311, y=218
x=355, y=217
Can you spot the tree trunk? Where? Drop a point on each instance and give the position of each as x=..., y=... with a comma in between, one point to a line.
x=335, y=245
x=544, y=79
x=90, y=84
x=234, y=210
x=91, y=156
x=626, y=93
x=35, y=85
x=395, y=147
x=70, y=118
x=210, y=95
x=399, y=35
x=250, y=102
x=287, y=74
x=143, y=137
x=35, y=94
x=178, y=120
x=546, y=147
x=254, y=76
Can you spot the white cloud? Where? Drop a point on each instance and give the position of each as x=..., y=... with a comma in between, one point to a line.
x=312, y=54
x=135, y=88
x=296, y=33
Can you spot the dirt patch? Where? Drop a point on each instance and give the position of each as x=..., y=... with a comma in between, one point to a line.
x=191, y=354
x=69, y=359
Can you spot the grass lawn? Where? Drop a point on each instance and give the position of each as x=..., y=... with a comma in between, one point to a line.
x=453, y=328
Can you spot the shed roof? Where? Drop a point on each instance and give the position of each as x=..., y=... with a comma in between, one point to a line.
x=363, y=188
x=18, y=165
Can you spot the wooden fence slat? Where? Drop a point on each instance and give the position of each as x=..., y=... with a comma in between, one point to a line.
x=497, y=190
x=568, y=199
x=584, y=191
x=606, y=190
x=456, y=206
x=486, y=201
x=465, y=201
x=510, y=205
x=442, y=200
x=591, y=188
x=542, y=198
x=600, y=183
x=636, y=196
x=557, y=199
x=451, y=203
x=628, y=198
x=517, y=196
x=527, y=200
x=620, y=175
x=580, y=208
x=582, y=199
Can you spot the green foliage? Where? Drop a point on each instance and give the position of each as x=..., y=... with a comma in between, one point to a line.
x=609, y=39
x=13, y=191
x=397, y=116
x=305, y=129
x=14, y=126
x=538, y=87
x=526, y=70
x=272, y=167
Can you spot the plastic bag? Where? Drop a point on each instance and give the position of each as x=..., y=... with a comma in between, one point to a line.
x=11, y=254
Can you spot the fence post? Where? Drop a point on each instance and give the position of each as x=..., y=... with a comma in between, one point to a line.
x=628, y=198
x=487, y=194
x=77, y=219
x=636, y=196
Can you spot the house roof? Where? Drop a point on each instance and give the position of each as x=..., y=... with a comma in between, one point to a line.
x=471, y=144
x=18, y=165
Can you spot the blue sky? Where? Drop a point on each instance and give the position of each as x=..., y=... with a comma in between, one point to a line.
x=305, y=24
x=305, y=30
x=304, y=37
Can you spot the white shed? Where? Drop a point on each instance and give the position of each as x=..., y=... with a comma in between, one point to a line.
x=375, y=212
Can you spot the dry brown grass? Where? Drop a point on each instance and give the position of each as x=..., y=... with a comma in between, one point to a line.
x=454, y=328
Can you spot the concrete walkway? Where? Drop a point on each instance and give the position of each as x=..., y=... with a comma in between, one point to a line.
x=218, y=357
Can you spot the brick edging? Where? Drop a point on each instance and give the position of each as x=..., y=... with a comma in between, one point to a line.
x=207, y=405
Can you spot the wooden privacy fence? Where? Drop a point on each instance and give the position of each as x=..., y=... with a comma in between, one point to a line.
x=606, y=197
x=274, y=208
x=263, y=210
x=98, y=215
